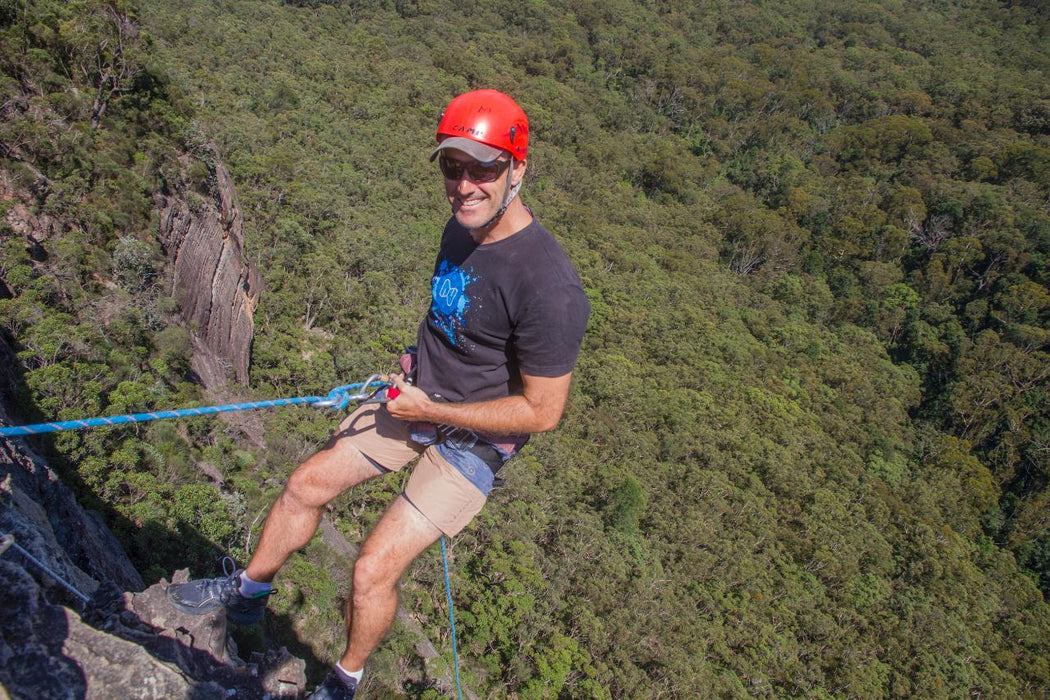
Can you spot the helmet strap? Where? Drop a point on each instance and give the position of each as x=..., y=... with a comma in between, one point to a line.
x=512, y=192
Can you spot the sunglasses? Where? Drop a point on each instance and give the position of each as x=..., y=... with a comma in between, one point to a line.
x=476, y=171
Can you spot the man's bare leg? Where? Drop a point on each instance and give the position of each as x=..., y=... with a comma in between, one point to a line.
x=296, y=513
x=399, y=537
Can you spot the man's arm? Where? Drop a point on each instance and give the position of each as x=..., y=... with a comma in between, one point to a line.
x=537, y=409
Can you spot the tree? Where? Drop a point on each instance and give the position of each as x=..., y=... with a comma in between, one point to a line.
x=104, y=46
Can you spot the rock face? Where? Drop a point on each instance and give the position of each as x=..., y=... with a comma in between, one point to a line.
x=45, y=518
x=215, y=285
x=119, y=645
x=135, y=647
x=123, y=642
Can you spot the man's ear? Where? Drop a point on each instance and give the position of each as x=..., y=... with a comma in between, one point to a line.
x=520, y=166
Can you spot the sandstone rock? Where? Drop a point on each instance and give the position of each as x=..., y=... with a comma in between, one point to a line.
x=32, y=633
x=144, y=650
x=198, y=647
x=217, y=288
x=116, y=668
x=197, y=640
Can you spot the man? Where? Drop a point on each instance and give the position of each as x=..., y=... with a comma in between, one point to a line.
x=494, y=361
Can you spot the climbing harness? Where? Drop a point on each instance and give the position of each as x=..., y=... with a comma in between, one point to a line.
x=7, y=541
x=372, y=390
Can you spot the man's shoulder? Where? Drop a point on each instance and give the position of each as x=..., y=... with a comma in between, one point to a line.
x=545, y=255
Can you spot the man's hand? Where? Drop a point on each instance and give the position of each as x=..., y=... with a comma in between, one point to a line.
x=411, y=403
x=537, y=409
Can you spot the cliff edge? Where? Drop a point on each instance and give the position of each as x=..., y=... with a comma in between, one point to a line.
x=76, y=621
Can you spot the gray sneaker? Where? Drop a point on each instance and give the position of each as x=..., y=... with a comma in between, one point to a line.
x=333, y=688
x=205, y=595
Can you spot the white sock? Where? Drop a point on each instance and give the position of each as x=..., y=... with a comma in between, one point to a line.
x=251, y=589
x=349, y=676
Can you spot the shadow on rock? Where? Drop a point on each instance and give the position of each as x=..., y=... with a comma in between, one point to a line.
x=192, y=655
x=33, y=632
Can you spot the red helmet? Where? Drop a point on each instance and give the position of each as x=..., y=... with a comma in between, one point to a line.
x=482, y=123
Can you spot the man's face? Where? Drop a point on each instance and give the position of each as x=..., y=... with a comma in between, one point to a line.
x=474, y=202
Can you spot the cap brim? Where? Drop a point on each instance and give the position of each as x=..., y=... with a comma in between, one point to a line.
x=474, y=149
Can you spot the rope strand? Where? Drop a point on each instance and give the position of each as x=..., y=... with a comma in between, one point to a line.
x=337, y=398
x=451, y=617
x=9, y=541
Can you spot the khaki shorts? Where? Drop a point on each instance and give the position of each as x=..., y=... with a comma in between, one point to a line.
x=435, y=488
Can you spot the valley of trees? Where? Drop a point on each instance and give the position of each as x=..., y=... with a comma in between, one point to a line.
x=807, y=451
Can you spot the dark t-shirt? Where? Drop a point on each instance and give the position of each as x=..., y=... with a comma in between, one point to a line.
x=496, y=311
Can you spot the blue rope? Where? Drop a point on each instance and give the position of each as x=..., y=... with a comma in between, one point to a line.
x=451, y=617
x=337, y=398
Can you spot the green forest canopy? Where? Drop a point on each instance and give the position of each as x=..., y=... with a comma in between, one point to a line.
x=807, y=448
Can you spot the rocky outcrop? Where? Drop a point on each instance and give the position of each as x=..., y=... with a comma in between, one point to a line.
x=217, y=288
x=75, y=621
x=98, y=634
x=44, y=516
x=203, y=238
x=127, y=646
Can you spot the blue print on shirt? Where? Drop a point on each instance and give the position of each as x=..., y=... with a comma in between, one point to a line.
x=449, y=300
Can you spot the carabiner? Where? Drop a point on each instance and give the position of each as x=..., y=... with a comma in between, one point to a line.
x=339, y=397
x=373, y=396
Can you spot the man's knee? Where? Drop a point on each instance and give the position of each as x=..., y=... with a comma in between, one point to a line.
x=301, y=490
x=373, y=572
